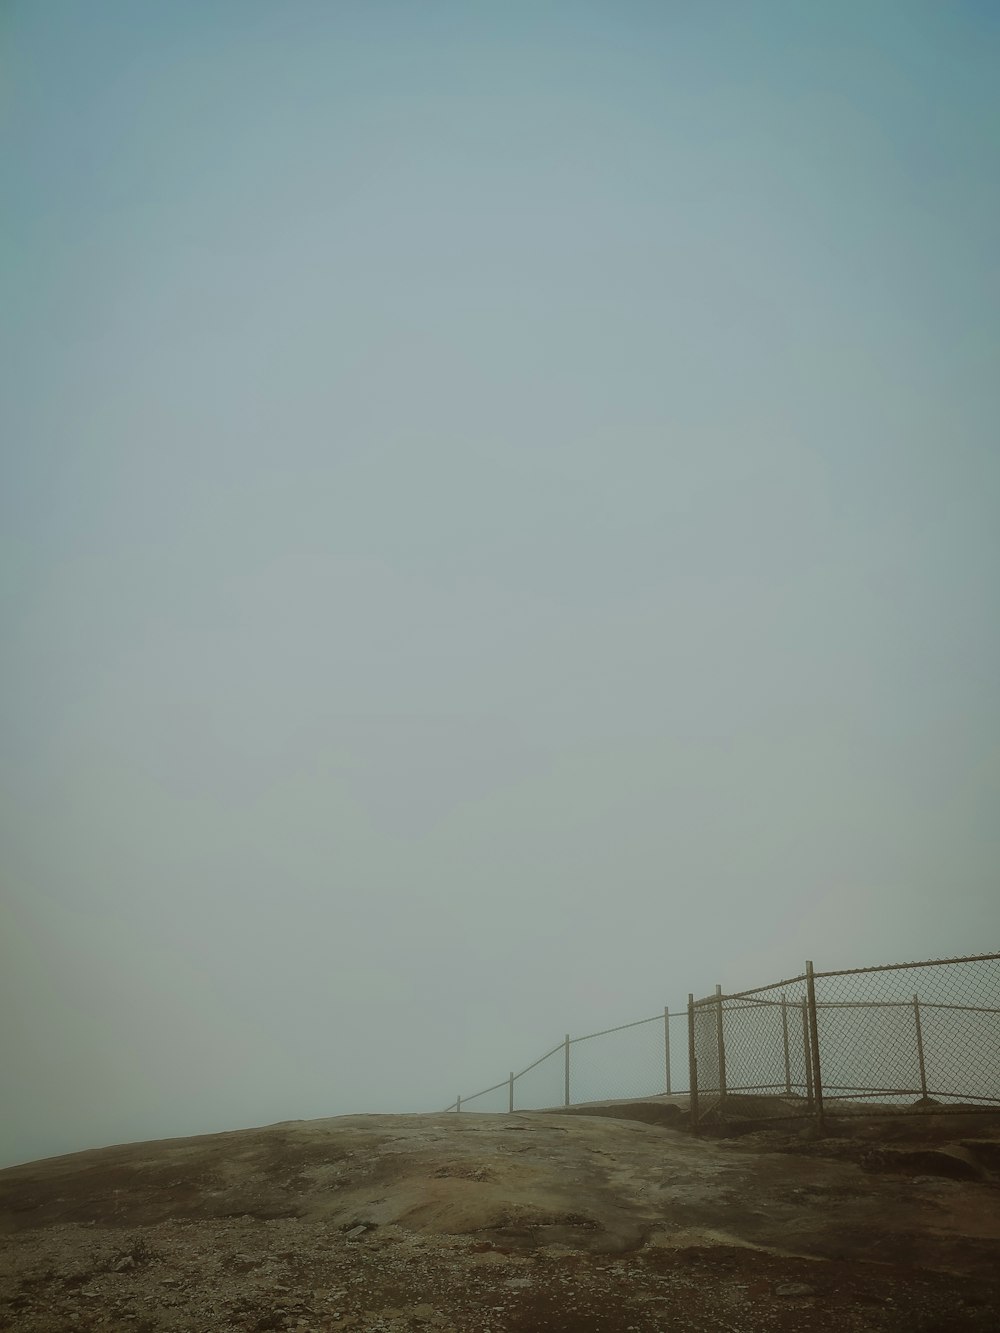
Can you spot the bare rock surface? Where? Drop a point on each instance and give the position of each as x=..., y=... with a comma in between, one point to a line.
x=491, y=1223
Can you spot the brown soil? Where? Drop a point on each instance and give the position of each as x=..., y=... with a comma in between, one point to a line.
x=587, y=1222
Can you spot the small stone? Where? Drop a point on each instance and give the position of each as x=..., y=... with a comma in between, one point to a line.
x=794, y=1289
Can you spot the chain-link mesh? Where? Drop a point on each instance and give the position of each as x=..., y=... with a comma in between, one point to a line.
x=706, y=1046
x=915, y=1034
x=924, y=1032
x=926, y=1035
x=753, y=1054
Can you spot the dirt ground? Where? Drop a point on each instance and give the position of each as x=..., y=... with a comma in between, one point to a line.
x=609, y=1219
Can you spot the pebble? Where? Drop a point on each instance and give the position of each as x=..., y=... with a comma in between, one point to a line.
x=794, y=1289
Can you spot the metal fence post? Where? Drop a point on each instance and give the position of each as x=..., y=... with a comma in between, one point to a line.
x=920, y=1046
x=666, y=1043
x=814, y=1038
x=566, y=1080
x=510, y=1093
x=784, y=1041
x=806, y=1057
x=692, y=1066
x=720, y=1036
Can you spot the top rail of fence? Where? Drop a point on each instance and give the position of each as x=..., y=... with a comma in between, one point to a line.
x=896, y=967
x=857, y=1004
x=850, y=972
x=502, y=1084
x=528, y=1068
x=756, y=990
x=656, y=1018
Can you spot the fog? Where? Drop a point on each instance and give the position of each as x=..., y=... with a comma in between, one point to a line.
x=499, y=530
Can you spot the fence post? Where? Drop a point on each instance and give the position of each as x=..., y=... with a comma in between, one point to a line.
x=784, y=1040
x=806, y=1057
x=720, y=1036
x=510, y=1093
x=666, y=1043
x=814, y=1038
x=458, y=1103
x=692, y=1066
x=920, y=1046
x=566, y=1080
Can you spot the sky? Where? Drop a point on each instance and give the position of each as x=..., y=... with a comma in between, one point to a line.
x=499, y=530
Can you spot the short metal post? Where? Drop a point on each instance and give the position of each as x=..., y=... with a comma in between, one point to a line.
x=666, y=1044
x=720, y=1036
x=920, y=1046
x=566, y=1072
x=784, y=1041
x=814, y=1041
x=458, y=1103
x=692, y=1066
x=510, y=1093
x=806, y=1056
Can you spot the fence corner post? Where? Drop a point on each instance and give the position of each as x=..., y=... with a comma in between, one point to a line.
x=510, y=1093
x=458, y=1102
x=814, y=1043
x=721, y=1038
x=920, y=1047
x=566, y=1074
x=692, y=1067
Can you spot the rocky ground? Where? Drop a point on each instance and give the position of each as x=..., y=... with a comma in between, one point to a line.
x=591, y=1223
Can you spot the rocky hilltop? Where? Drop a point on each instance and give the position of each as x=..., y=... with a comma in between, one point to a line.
x=582, y=1223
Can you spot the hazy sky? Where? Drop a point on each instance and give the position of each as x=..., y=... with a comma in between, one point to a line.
x=500, y=529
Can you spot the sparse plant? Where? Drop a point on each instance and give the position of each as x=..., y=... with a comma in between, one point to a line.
x=137, y=1254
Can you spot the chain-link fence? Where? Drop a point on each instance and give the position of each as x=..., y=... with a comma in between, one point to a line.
x=924, y=1036
x=752, y=1051
x=863, y=1041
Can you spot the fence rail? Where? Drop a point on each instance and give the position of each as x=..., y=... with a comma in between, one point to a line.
x=863, y=1039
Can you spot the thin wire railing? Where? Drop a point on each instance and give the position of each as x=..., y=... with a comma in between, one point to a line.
x=570, y=1073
